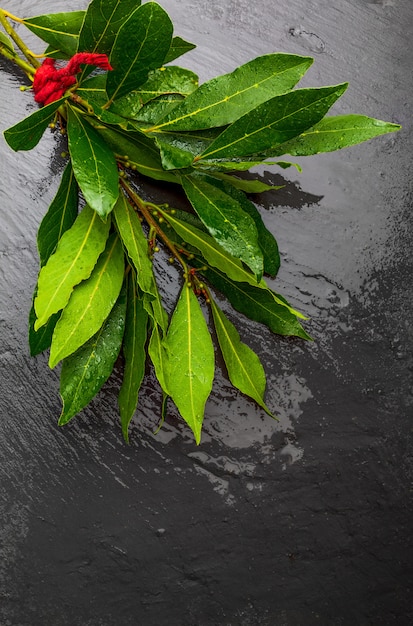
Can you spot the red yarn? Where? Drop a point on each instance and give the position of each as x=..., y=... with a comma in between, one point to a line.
x=50, y=84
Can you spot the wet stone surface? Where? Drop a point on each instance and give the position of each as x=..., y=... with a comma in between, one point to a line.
x=301, y=522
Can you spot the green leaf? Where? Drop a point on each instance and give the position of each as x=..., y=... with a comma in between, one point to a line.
x=93, y=90
x=178, y=47
x=190, y=360
x=156, y=310
x=41, y=339
x=173, y=157
x=135, y=356
x=243, y=365
x=54, y=53
x=58, y=219
x=60, y=216
x=157, y=353
x=90, y=303
x=102, y=22
x=154, y=109
x=162, y=81
x=213, y=253
x=266, y=240
x=135, y=242
x=240, y=166
x=73, y=261
x=140, y=150
x=224, y=99
x=141, y=45
x=5, y=41
x=247, y=185
x=60, y=30
x=26, y=134
x=225, y=219
x=258, y=304
x=335, y=133
x=84, y=372
x=179, y=149
x=93, y=163
x=274, y=122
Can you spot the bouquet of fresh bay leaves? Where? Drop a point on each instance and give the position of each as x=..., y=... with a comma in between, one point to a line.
x=108, y=80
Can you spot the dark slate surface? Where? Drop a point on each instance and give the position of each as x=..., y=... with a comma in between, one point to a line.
x=306, y=521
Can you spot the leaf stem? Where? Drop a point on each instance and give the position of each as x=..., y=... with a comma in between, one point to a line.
x=18, y=41
x=12, y=56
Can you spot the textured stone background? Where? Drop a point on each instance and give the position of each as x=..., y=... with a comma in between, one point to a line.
x=306, y=521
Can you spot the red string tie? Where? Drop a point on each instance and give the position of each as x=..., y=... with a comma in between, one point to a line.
x=50, y=83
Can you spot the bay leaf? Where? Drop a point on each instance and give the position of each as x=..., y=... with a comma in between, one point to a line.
x=60, y=30
x=76, y=255
x=225, y=220
x=274, y=122
x=90, y=303
x=190, y=360
x=84, y=372
x=222, y=100
x=334, y=133
x=136, y=244
x=60, y=215
x=141, y=45
x=102, y=22
x=178, y=47
x=244, y=368
x=135, y=355
x=26, y=134
x=93, y=163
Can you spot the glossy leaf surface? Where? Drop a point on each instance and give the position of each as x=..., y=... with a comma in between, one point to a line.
x=134, y=354
x=166, y=80
x=257, y=304
x=75, y=257
x=135, y=242
x=190, y=360
x=178, y=47
x=84, y=372
x=141, y=152
x=226, y=221
x=158, y=356
x=335, y=133
x=243, y=365
x=58, y=219
x=266, y=240
x=5, y=41
x=274, y=122
x=222, y=100
x=60, y=216
x=26, y=134
x=247, y=185
x=41, y=339
x=90, y=303
x=60, y=30
x=93, y=163
x=141, y=45
x=102, y=22
x=213, y=254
